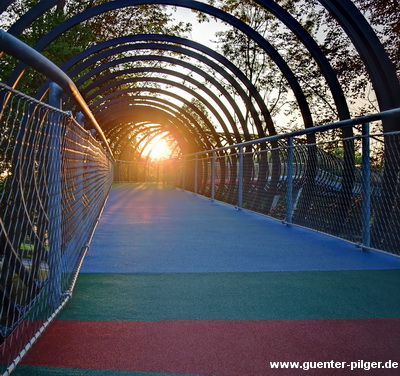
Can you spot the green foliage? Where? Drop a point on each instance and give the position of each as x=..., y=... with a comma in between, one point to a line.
x=129, y=20
x=339, y=50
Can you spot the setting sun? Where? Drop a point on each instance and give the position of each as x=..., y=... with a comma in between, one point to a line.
x=158, y=149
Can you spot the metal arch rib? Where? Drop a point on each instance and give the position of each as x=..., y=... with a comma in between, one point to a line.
x=178, y=111
x=164, y=92
x=194, y=45
x=378, y=64
x=172, y=83
x=265, y=45
x=142, y=111
x=123, y=109
x=169, y=72
x=181, y=63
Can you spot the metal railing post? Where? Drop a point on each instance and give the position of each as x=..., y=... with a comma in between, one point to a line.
x=213, y=176
x=240, y=179
x=366, y=188
x=54, y=214
x=196, y=169
x=79, y=116
x=80, y=181
x=289, y=183
x=183, y=173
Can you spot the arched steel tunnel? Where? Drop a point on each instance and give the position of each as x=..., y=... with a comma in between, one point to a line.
x=179, y=90
x=129, y=100
x=132, y=89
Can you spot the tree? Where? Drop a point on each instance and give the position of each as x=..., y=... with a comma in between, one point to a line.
x=130, y=20
x=349, y=68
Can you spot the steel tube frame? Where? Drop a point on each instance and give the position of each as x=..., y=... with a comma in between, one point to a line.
x=289, y=182
x=201, y=86
x=117, y=4
x=206, y=90
x=366, y=188
x=102, y=101
x=321, y=128
x=223, y=62
x=124, y=118
x=33, y=58
x=172, y=83
x=124, y=103
x=181, y=117
x=55, y=240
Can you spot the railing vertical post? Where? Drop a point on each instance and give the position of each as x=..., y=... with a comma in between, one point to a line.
x=213, y=176
x=366, y=188
x=54, y=229
x=183, y=173
x=289, y=182
x=79, y=118
x=240, y=179
x=196, y=170
x=80, y=181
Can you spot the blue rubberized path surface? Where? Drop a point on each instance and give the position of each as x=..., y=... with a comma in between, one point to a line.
x=176, y=285
x=148, y=228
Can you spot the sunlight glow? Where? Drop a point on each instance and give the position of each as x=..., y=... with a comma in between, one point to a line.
x=158, y=149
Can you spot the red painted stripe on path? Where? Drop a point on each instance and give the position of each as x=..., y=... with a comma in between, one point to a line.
x=216, y=347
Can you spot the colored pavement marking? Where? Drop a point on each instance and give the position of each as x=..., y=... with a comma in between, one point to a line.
x=236, y=296
x=173, y=287
x=148, y=229
x=216, y=347
x=23, y=370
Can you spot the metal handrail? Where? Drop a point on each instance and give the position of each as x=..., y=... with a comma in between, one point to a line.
x=321, y=128
x=20, y=50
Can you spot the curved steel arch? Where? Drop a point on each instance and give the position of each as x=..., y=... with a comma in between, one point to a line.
x=199, y=47
x=31, y=15
x=195, y=69
x=170, y=72
x=191, y=67
x=119, y=110
x=144, y=113
x=123, y=132
x=181, y=116
x=124, y=109
x=153, y=136
x=154, y=133
x=149, y=140
x=178, y=111
x=136, y=144
x=379, y=66
x=5, y=4
x=166, y=93
x=174, y=84
x=117, y=4
x=314, y=49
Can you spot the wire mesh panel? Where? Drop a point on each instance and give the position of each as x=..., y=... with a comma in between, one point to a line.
x=138, y=172
x=349, y=188
x=385, y=192
x=54, y=180
x=171, y=172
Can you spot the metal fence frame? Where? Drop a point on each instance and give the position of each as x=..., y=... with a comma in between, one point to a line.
x=208, y=160
x=55, y=179
x=57, y=195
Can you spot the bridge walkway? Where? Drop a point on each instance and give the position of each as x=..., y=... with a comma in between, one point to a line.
x=174, y=284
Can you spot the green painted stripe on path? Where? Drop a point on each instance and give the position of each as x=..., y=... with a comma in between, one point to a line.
x=236, y=296
x=22, y=370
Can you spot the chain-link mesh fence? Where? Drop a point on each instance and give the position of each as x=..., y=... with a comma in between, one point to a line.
x=54, y=180
x=138, y=172
x=347, y=188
